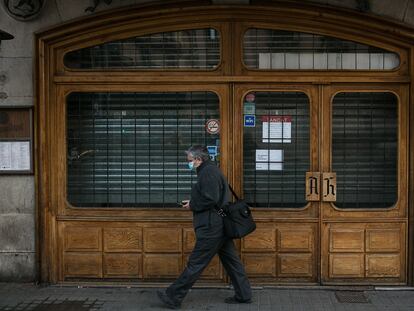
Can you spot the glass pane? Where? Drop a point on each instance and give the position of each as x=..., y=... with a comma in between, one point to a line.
x=128, y=149
x=276, y=148
x=365, y=149
x=284, y=50
x=185, y=49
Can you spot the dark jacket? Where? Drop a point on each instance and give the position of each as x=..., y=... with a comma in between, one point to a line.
x=211, y=190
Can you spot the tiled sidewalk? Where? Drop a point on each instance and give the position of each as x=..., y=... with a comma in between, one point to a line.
x=56, y=298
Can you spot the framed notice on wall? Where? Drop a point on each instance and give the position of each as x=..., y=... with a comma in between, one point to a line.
x=16, y=140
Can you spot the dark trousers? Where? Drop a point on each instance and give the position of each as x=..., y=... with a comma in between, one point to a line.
x=204, y=250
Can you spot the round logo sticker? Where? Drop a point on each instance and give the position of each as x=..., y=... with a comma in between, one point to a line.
x=213, y=126
x=250, y=97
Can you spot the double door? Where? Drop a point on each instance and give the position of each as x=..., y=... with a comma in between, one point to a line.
x=325, y=168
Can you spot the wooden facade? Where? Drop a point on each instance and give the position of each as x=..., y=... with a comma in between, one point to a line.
x=317, y=244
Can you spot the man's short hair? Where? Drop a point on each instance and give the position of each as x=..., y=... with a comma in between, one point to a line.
x=199, y=152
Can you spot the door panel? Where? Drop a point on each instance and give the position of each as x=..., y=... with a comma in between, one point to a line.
x=117, y=212
x=362, y=252
x=281, y=252
x=273, y=155
x=368, y=131
x=276, y=148
x=364, y=143
x=132, y=250
x=276, y=135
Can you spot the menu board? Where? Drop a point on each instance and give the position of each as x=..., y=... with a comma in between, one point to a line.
x=15, y=155
x=16, y=140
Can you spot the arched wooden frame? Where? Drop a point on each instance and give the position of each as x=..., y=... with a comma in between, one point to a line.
x=54, y=80
x=231, y=22
x=311, y=209
x=398, y=210
x=353, y=221
x=219, y=27
x=64, y=208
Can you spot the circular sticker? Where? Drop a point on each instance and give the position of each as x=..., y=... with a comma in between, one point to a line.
x=213, y=126
x=250, y=97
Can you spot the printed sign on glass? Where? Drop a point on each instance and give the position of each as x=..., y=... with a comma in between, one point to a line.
x=249, y=120
x=212, y=151
x=277, y=129
x=250, y=97
x=249, y=108
x=213, y=126
x=269, y=160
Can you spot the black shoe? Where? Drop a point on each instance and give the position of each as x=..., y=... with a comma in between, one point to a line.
x=167, y=300
x=234, y=300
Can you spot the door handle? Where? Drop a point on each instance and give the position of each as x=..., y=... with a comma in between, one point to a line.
x=329, y=187
x=321, y=186
x=313, y=186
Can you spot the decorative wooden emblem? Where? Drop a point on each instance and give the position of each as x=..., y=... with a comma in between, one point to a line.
x=23, y=10
x=329, y=187
x=313, y=186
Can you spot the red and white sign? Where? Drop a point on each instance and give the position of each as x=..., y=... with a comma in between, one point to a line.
x=277, y=129
x=276, y=118
x=250, y=97
x=213, y=126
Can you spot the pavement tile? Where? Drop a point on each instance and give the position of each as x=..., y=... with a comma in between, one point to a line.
x=19, y=296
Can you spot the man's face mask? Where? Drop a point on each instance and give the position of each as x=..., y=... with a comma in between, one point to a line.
x=191, y=165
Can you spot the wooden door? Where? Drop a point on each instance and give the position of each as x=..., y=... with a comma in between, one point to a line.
x=364, y=211
x=276, y=141
x=325, y=168
x=285, y=125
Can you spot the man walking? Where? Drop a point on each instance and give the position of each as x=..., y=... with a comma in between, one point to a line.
x=210, y=191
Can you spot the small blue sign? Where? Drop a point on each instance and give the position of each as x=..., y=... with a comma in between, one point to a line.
x=212, y=150
x=249, y=120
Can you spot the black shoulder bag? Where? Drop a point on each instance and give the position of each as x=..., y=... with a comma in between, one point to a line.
x=238, y=219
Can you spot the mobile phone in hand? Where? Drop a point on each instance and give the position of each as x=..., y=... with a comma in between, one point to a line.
x=184, y=203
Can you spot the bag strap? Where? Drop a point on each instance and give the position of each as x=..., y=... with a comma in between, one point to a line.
x=220, y=210
x=234, y=193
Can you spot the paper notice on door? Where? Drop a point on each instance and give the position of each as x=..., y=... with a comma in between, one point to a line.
x=269, y=166
x=266, y=155
x=260, y=166
x=269, y=160
x=277, y=129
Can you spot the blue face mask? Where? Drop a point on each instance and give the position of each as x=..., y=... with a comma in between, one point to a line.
x=191, y=165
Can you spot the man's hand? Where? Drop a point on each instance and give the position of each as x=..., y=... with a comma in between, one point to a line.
x=185, y=204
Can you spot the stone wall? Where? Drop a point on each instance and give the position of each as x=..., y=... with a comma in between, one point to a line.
x=17, y=193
